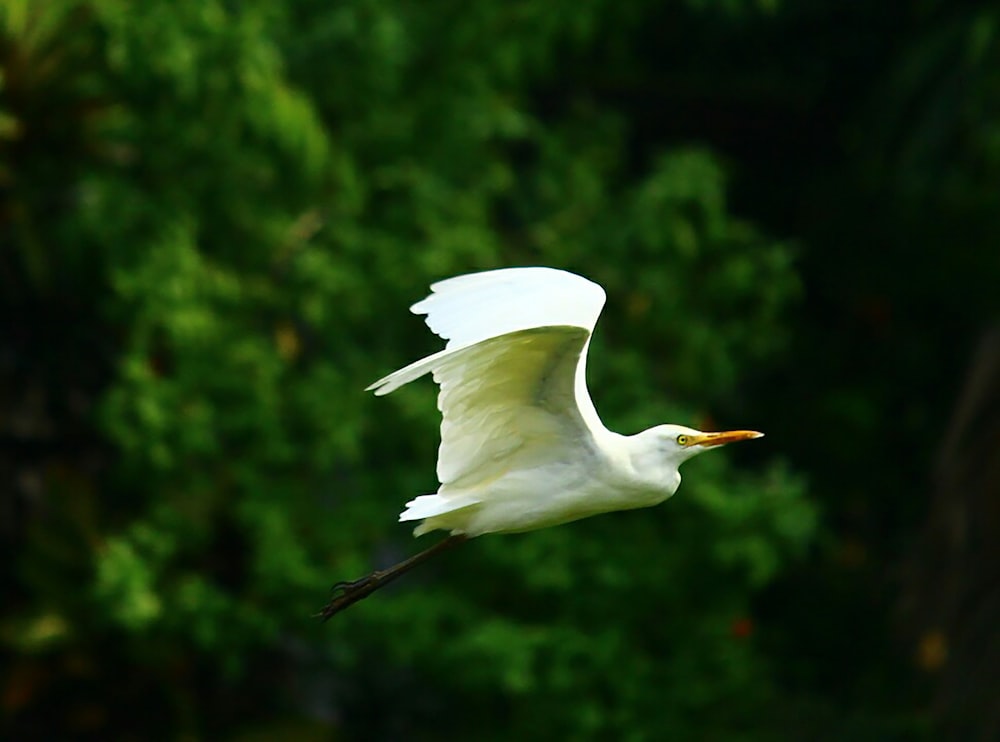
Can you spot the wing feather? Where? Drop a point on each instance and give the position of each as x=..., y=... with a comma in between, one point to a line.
x=513, y=372
x=468, y=309
x=508, y=401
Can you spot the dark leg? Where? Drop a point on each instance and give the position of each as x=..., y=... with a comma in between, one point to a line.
x=346, y=594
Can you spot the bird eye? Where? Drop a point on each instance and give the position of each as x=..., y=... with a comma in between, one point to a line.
x=682, y=440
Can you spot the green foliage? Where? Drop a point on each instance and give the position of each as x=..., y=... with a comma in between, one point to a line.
x=234, y=203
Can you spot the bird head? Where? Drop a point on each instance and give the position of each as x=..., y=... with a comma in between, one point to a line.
x=680, y=443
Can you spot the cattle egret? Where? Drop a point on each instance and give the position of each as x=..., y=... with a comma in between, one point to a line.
x=522, y=446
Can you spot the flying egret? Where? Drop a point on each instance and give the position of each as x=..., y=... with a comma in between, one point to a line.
x=522, y=446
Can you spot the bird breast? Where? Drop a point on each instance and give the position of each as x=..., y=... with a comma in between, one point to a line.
x=563, y=491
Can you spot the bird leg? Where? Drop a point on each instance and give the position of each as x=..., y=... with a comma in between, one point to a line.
x=346, y=594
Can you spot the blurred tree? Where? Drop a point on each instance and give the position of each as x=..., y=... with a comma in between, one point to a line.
x=213, y=217
x=248, y=248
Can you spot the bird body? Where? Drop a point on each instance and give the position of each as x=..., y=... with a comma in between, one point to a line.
x=522, y=446
x=545, y=484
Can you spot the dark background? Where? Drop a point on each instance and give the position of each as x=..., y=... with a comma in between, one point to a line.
x=213, y=217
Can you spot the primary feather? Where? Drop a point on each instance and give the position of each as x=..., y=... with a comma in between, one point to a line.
x=475, y=307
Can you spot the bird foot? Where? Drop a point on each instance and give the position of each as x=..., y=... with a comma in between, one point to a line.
x=346, y=587
x=347, y=593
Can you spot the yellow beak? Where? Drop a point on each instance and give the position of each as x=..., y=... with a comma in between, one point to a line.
x=720, y=439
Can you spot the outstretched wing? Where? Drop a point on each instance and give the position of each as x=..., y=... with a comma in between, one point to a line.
x=512, y=376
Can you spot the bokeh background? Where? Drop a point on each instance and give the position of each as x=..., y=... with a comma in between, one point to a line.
x=213, y=218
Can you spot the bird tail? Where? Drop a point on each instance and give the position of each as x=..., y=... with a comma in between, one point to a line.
x=433, y=510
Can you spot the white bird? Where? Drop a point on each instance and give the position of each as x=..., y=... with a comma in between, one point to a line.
x=522, y=446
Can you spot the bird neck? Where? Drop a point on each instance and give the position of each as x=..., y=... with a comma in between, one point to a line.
x=651, y=466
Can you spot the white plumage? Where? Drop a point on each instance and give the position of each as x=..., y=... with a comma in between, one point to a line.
x=522, y=446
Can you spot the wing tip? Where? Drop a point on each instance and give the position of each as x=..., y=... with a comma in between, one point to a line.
x=381, y=387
